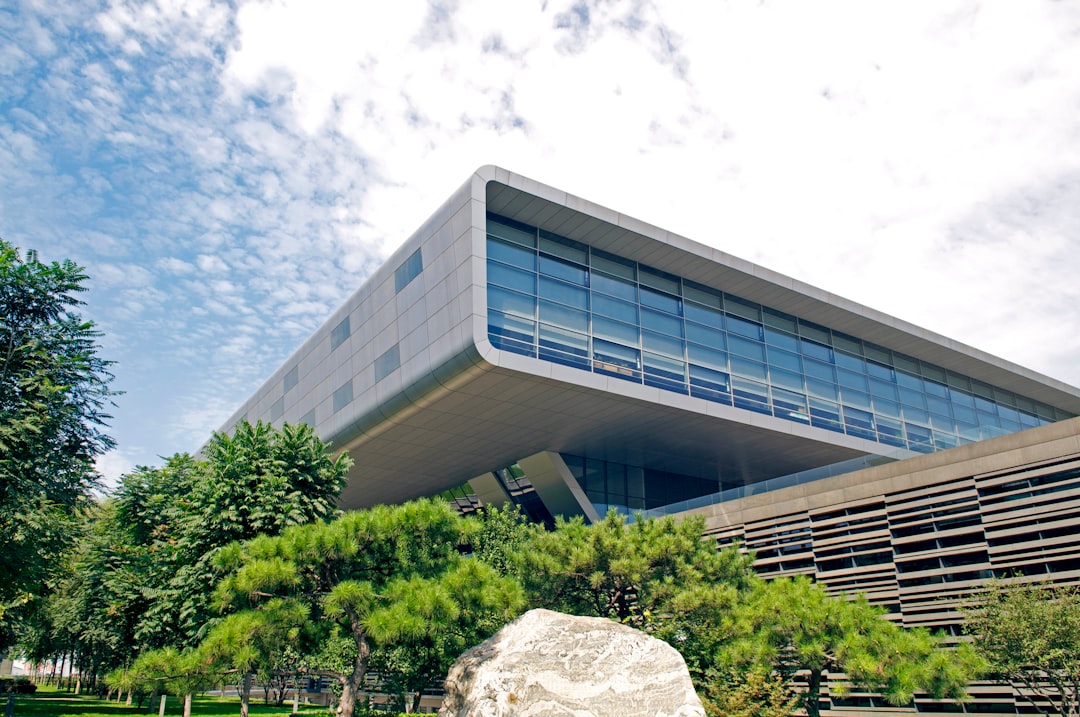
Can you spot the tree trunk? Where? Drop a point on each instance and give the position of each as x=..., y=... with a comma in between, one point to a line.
x=296, y=693
x=245, y=694
x=187, y=705
x=353, y=681
x=813, y=694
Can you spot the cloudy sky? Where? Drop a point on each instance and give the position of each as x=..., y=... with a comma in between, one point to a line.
x=228, y=172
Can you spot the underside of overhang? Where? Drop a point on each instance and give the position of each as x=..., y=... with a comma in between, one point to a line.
x=500, y=415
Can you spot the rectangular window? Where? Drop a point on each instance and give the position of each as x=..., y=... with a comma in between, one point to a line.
x=526, y=236
x=511, y=302
x=822, y=389
x=614, y=358
x=661, y=344
x=550, y=266
x=748, y=368
x=388, y=362
x=615, y=331
x=309, y=418
x=512, y=332
x=564, y=346
x=512, y=254
x=659, y=321
x=564, y=316
x=340, y=333
x=615, y=287
x=746, y=348
x=706, y=335
x=659, y=300
x=564, y=293
x=566, y=248
x=343, y=396
x=277, y=409
x=409, y=270
x=708, y=357
x=292, y=378
x=615, y=309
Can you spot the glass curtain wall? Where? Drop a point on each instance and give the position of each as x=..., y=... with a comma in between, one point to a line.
x=559, y=300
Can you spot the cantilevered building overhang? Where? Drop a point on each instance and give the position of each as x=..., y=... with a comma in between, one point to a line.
x=521, y=321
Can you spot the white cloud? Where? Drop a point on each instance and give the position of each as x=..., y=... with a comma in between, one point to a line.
x=111, y=466
x=217, y=168
x=173, y=265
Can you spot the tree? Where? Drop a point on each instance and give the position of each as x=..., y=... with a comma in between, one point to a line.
x=1030, y=637
x=499, y=535
x=751, y=694
x=54, y=390
x=387, y=576
x=751, y=646
x=793, y=630
x=623, y=571
x=141, y=578
x=257, y=481
x=252, y=641
x=92, y=608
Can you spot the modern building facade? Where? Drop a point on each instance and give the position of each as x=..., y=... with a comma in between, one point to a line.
x=554, y=352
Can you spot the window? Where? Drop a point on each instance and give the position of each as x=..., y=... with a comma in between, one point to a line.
x=340, y=333
x=343, y=396
x=409, y=270
x=292, y=378
x=387, y=362
x=277, y=409
x=565, y=302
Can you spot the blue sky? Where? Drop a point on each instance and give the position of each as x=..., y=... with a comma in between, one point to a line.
x=229, y=172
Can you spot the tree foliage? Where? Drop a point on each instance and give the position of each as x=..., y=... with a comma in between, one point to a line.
x=54, y=393
x=799, y=633
x=1030, y=637
x=142, y=579
x=624, y=570
x=388, y=577
x=257, y=481
x=752, y=647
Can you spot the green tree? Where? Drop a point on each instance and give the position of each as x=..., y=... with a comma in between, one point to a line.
x=791, y=629
x=54, y=392
x=624, y=570
x=752, y=647
x=142, y=576
x=499, y=537
x=388, y=576
x=750, y=694
x=90, y=607
x=1030, y=637
x=257, y=481
x=253, y=641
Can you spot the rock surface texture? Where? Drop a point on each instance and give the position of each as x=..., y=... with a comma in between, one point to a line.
x=550, y=664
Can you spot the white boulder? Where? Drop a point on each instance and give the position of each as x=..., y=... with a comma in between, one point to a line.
x=548, y=664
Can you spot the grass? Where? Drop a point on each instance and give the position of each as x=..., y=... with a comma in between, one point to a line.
x=50, y=702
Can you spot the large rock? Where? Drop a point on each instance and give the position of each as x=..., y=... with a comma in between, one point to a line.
x=546, y=663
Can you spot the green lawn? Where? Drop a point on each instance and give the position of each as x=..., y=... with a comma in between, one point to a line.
x=52, y=703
